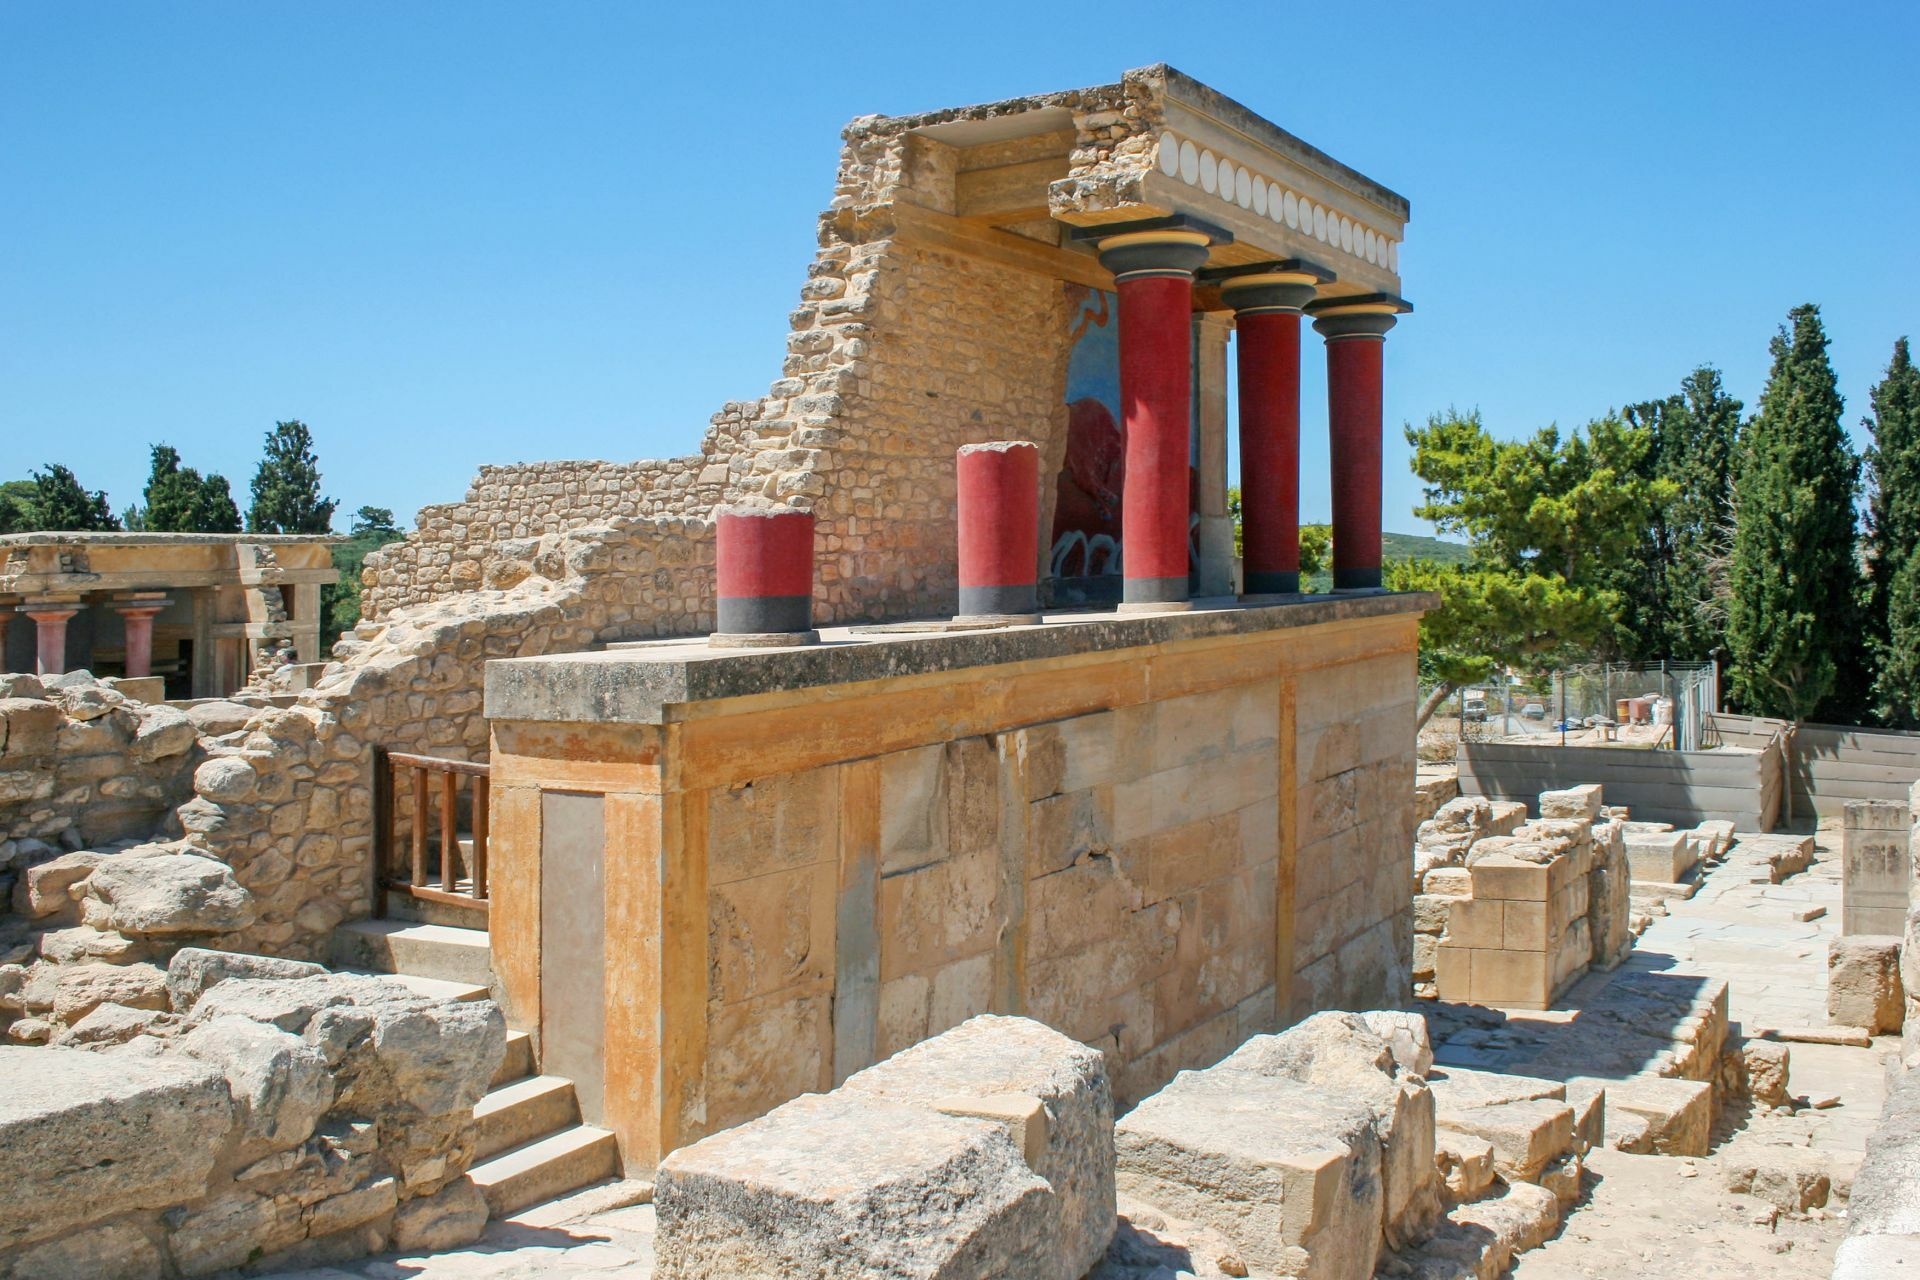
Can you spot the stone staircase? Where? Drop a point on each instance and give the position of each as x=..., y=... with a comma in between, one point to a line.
x=532, y=1145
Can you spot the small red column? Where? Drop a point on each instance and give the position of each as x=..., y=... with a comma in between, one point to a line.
x=1267, y=305
x=1153, y=274
x=50, y=633
x=763, y=558
x=998, y=491
x=1356, y=332
x=138, y=613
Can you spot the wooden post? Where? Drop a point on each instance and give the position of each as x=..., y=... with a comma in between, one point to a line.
x=419, y=867
x=382, y=830
x=481, y=799
x=449, y=829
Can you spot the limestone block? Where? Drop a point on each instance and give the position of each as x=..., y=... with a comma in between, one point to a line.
x=1449, y=882
x=991, y=1056
x=45, y=889
x=856, y=1186
x=1863, y=983
x=1767, y=1064
x=1662, y=857
x=1792, y=1178
x=280, y=1085
x=453, y=1216
x=79, y=988
x=1673, y=1117
x=1512, y=876
x=1526, y=1134
x=156, y=889
x=109, y=1024
x=194, y=969
x=164, y=732
x=1575, y=802
x=1289, y=1172
x=1882, y=1199
x=116, y=1250
x=149, y=1129
x=1465, y=1163
x=29, y=729
x=231, y=1230
x=1406, y=1036
x=1507, y=817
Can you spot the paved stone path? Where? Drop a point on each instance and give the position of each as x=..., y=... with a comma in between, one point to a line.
x=1659, y=1216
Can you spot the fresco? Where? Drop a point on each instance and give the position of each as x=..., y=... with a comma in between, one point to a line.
x=1086, y=520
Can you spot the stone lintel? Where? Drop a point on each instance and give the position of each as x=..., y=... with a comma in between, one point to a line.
x=640, y=684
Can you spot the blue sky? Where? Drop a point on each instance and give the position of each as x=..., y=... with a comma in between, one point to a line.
x=449, y=234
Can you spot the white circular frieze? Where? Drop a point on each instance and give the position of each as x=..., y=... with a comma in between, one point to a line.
x=1276, y=201
x=1346, y=235
x=1373, y=246
x=1243, y=187
x=1189, y=163
x=1393, y=256
x=1319, y=223
x=1169, y=155
x=1259, y=197
x=1290, y=209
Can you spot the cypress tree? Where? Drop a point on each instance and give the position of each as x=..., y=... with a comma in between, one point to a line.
x=1670, y=589
x=1893, y=532
x=179, y=500
x=1792, y=615
x=286, y=488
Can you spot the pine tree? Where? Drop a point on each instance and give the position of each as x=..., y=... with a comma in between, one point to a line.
x=1793, y=570
x=60, y=505
x=1893, y=539
x=286, y=488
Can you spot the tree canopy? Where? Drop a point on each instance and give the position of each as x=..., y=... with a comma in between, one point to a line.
x=286, y=487
x=180, y=500
x=54, y=501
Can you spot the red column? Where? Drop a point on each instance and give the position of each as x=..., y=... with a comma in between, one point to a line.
x=137, y=615
x=763, y=560
x=1267, y=324
x=1356, y=331
x=1153, y=273
x=998, y=492
x=50, y=633
x=6, y=616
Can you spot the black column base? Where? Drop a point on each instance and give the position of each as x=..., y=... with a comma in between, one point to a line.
x=1272, y=583
x=1356, y=579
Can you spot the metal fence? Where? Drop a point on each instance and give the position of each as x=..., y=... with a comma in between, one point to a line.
x=1657, y=704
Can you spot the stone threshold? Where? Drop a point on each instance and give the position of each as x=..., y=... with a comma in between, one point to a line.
x=635, y=682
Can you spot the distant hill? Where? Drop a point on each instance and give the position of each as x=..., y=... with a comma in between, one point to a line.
x=1401, y=546
x=1415, y=546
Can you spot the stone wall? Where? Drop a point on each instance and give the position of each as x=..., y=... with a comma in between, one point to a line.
x=907, y=342
x=1159, y=835
x=236, y=1111
x=1511, y=912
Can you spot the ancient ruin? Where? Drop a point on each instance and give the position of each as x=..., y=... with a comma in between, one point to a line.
x=902, y=838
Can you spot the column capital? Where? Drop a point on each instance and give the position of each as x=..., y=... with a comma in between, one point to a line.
x=1258, y=288
x=1170, y=251
x=1366, y=315
x=55, y=607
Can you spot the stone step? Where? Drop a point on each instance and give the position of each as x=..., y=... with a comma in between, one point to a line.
x=431, y=988
x=402, y=905
x=422, y=950
x=515, y=1114
x=518, y=1064
x=545, y=1168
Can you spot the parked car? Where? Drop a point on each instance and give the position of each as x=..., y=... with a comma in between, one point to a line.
x=1473, y=707
x=1533, y=711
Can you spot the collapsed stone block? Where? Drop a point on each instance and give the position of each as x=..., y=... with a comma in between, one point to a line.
x=1661, y=1114
x=1766, y=1064
x=1581, y=802
x=987, y=1150
x=1465, y=1163
x=1863, y=983
x=1289, y=1172
x=1661, y=857
x=978, y=1066
x=1526, y=1135
x=87, y=1135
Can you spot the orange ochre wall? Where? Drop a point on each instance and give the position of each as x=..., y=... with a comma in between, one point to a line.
x=1160, y=850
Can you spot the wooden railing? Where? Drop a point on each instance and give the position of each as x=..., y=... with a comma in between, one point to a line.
x=429, y=801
